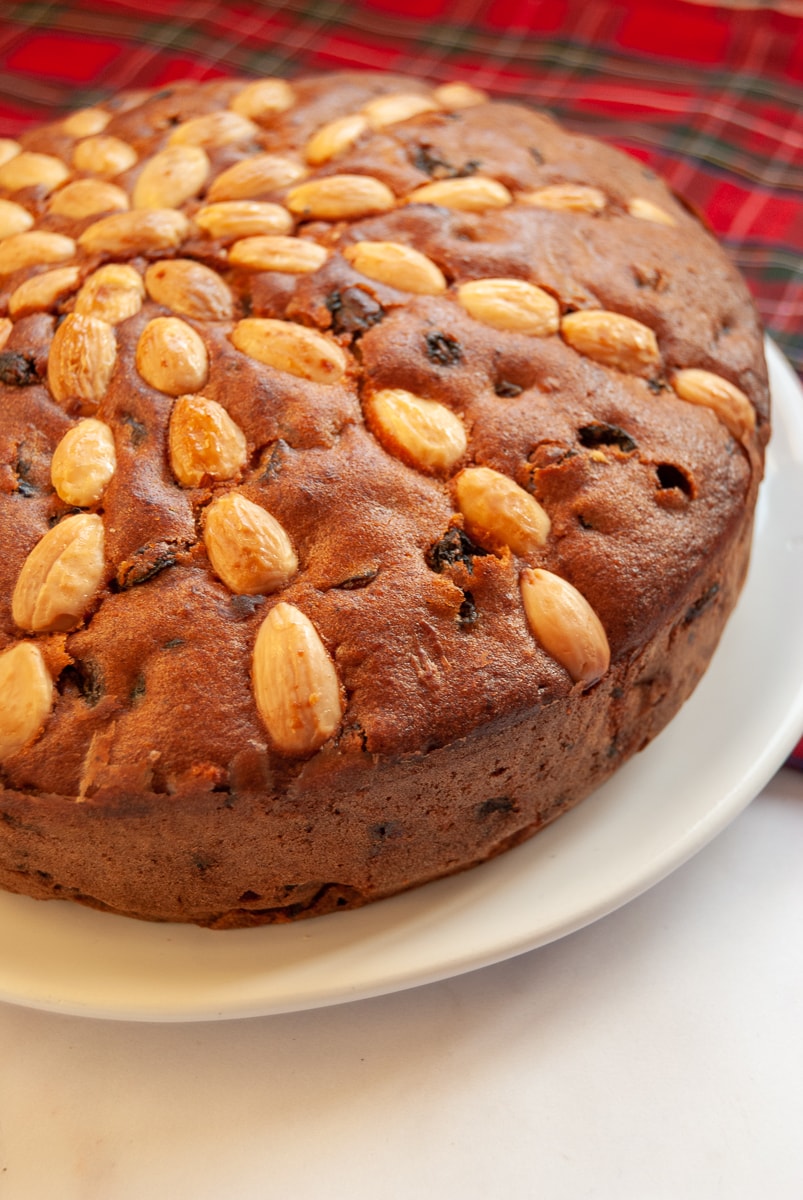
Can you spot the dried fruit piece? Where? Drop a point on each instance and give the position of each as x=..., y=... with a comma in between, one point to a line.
x=294, y=256
x=28, y=169
x=13, y=218
x=234, y=219
x=84, y=463
x=114, y=293
x=35, y=248
x=474, y=193
x=397, y=106
x=247, y=547
x=189, y=288
x=41, y=292
x=204, y=442
x=511, y=304
x=573, y=197
x=60, y=576
x=459, y=95
x=499, y=512
x=87, y=198
x=171, y=356
x=565, y=624
x=263, y=98
x=8, y=149
x=334, y=138
x=397, y=265
x=340, y=197
x=26, y=696
x=729, y=402
x=85, y=122
x=126, y=234
x=423, y=433
x=213, y=129
x=103, y=155
x=645, y=210
x=295, y=683
x=612, y=339
x=171, y=177
x=256, y=176
x=290, y=347
x=81, y=361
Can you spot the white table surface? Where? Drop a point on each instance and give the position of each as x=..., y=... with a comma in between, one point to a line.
x=655, y=1054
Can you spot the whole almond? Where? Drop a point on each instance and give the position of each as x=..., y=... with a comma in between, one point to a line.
x=500, y=513
x=247, y=547
x=456, y=95
x=13, y=218
x=290, y=347
x=42, y=292
x=34, y=248
x=511, y=304
x=60, y=576
x=27, y=170
x=189, y=288
x=571, y=197
x=85, y=122
x=6, y=326
x=263, y=98
x=423, y=433
x=205, y=444
x=396, y=107
x=340, y=197
x=171, y=356
x=88, y=198
x=256, y=176
x=645, y=210
x=171, y=177
x=8, y=149
x=231, y=220
x=291, y=255
x=565, y=624
x=728, y=401
x=114, y=293
x=334, y=138
x=295, y=683
x=103, y=155
x=474, y=194
x=214, y=129
x=397, y=265
x=26, y=696
x=612, y=339
x=84, y=463
x=127, y=234
x=81, y=361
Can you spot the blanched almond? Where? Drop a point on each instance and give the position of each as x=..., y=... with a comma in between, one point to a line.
x=247, y=547
x=8, y=149
x=28, y=169
x=500, y=513
x=26, y=696
x=171, y=356
x=13, y=218
x=81, y=361
x=42, y=292
x=645, y=210
x=35, y=248
x=88, y=197
x=340, y=197
x=295, y=683
x=334, y=138
x=213, y=129
x=114, y=293
x=293, y=256
x=728, y=401
x=565, y=624
x=171, y=177
x=189, y=288
x=423, y=433
x=256, y=176
x=474, y=194
x=83, y=463
x=397, y=265
x=234, y=219
x=204, y=442
x=572, y=197
x=612, y=339
x=290, y=347
x=85, y=122
x=103, y=155
x=511, y=304
x=263, y=98
x=127, y=234
x=459, y=95
x=397, y=106
x=60, y=576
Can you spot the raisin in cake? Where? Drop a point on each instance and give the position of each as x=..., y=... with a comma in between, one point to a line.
x=378, y=470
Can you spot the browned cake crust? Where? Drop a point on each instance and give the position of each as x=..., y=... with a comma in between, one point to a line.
x=408, y=716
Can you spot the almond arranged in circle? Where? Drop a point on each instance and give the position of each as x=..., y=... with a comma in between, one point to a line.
x=26, y=696
x=248, y=548
x=88, y=198
x=84, y=463
x=340, y=198
x=254, y=177
x=498, y=512
x=204, y=443
x=334, y=138
x=103, y=155
x=81, y=361
x=290, y=347
x=42, y=292
x=720, y=395
x=569, y=197
x=397, y=265
x=214, y=129
x=13, y=218
x=511, y=304
x=126, y=234
x=189, y=288
x=171, y=177
x=612, y=339
x=85, y=122
x=264, y=98
x=34, y=248
x=28, y=169
x=114, y=293
x=291, y=255
x=231, y=220
x=60, y=576
x=423, y=433
x=565, y=624
x=396, y=107
x=474, y=194
x=172, y=357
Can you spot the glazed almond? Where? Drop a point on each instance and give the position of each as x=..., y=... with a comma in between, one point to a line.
x=293, y=256
x=13, y=218
x=204, y=443
x=565, y=624
x=81, y=361
x=612, y=339
x=42, y=292
x=511, y=304
x=26, y=696
x=113, y=293
x=84, y=463
x=397, y=265
x=499, y=512
x=231, y=220
x=397, y=106
x=126, y=234
x=60, y=576
x=263, y=99
x=340, y=198
x=102, y=155
x=334, y=138
x=214, y=129
x=27, y=169
x=724, y=398
x=88, y=198
x=290, y=347
x=425, y=434
x=171, y=177
x=256, y=176
x=172, y=357
x=247, y=547
x=474, y=194
x=35, y=248
x=189, y=288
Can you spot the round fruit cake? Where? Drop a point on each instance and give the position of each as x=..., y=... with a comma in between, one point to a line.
x=378, y=471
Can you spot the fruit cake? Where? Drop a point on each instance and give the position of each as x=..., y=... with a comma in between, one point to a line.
x=378, y=471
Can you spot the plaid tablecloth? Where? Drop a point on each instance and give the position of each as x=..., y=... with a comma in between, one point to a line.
x=711, y=96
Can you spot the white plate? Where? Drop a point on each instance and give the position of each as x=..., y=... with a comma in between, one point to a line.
x=654, y=814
